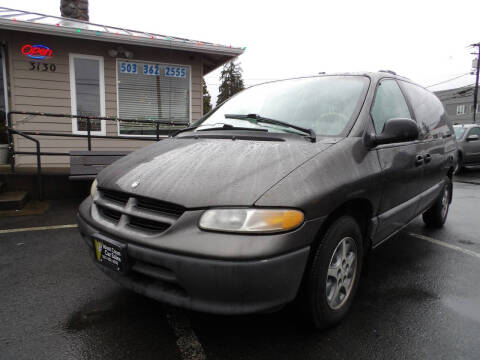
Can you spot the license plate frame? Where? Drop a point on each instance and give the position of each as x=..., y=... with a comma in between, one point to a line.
x=110, y=253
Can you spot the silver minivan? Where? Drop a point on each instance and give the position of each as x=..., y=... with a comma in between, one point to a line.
x=468, y=142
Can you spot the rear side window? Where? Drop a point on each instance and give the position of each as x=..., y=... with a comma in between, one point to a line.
x=427, y=107
x=389, y=104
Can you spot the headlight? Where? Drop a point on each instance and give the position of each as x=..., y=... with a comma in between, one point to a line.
x=93, y=188
x=251, y=220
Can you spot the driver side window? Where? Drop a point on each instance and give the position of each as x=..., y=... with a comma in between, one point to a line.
x=389, y=103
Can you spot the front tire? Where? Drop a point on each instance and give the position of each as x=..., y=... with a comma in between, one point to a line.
x=334, y=274
x=437, y=214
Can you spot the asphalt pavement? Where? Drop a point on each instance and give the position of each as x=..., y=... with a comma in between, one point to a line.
x=419, y=300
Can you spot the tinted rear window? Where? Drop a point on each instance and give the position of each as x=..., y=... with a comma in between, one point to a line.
x=427, y=107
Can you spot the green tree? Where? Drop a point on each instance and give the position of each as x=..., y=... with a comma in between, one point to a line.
x=231, y=81
x=207, y=99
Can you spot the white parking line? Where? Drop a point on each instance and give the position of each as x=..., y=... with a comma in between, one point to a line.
x=447, y=245
x=187, y=342
x=39, y=228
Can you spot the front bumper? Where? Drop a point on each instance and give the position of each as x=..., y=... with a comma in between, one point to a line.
x=215, y=285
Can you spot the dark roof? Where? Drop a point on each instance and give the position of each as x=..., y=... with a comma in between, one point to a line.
x=464, y=91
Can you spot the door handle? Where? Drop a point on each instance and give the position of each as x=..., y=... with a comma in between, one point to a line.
x=427, y=158
x=418, y=160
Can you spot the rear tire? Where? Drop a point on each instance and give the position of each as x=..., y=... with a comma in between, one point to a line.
x=333, y=277
x=437, y=214
x=459, y=166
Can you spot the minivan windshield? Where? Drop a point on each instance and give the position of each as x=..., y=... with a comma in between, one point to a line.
x=459, y=131
x=325, y=104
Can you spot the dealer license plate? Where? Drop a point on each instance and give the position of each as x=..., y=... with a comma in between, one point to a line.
x=110, y=253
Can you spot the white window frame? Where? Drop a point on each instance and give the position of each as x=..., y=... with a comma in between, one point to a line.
x=471, y=108
x=73, y=92
x=118, y=60
x=461, y=109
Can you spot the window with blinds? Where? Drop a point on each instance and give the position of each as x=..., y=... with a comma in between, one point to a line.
x=153, y=92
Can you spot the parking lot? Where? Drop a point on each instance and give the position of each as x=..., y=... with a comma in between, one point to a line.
x=420, y=299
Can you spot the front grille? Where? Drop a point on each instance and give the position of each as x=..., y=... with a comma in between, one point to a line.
x=116, y=196
x=110, y=214
x=160, y=206
x=146, y=224
x=140, y=214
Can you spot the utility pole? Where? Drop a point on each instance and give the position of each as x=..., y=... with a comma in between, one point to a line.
x=475, y=93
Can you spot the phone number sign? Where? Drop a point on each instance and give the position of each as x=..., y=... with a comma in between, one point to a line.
x=153, y=69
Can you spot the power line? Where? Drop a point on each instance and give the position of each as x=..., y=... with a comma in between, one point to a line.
x=443, y=82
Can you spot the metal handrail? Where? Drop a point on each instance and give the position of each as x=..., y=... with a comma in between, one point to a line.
x=88, y=135
x=112, y=118
x=89, y=125
x=39, y=162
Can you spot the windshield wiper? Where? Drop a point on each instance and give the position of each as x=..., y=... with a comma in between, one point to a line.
x=260, y=119
x=213, y=127
x=231, y=127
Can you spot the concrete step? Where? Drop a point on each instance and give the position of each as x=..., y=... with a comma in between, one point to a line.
x=13, y=200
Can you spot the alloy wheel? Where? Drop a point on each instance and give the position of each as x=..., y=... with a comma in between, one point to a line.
x=341, y=273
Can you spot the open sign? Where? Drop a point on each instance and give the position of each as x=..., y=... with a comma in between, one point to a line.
x=39, y=52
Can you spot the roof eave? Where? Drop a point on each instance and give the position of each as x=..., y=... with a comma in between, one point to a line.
x=124, y=39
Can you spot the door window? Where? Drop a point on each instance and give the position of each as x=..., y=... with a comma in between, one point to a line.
x=475, y=131
x=389, y=104
x=87, y=92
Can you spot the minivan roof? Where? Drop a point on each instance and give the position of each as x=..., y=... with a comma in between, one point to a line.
x=374, y=76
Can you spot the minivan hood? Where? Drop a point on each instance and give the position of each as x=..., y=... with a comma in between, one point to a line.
x=203, y=172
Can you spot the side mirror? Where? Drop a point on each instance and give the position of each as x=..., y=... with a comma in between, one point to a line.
x=394, y=131
x=472, y=137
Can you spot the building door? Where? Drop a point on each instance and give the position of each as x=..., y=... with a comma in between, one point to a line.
x=3, y=97
x=3, y=85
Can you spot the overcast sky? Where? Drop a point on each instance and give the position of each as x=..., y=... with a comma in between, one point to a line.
x=426, y=41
